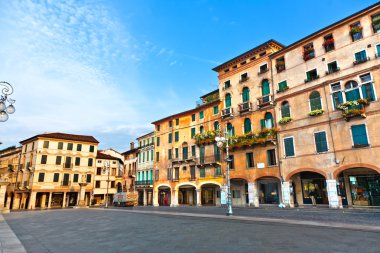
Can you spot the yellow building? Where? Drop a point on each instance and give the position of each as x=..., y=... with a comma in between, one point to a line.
x=130, y=165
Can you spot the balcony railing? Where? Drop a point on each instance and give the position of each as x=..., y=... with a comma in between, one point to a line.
x=362, y=60
x=243, y=79
x=187, y=157
x=244, y=107
x=203, y=160
x=144, y=182
x=228, y=112
x=264, y=100
x=67, y=165
x=330, y=71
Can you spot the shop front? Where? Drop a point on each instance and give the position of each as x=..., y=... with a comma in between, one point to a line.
x=210, y=195
x=164, y=196
x=269, y=191
x=313, y=185
x=187, y=195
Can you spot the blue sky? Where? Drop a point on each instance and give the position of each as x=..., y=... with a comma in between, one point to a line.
x=109, y=68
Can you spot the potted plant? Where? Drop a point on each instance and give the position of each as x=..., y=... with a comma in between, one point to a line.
x=356, y=29
x=316, y=112
x=285, y=120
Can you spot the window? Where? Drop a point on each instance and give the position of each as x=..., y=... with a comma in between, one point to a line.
x=265, y=90
x=158, y=128
x=156, y=175
x=69, y=146
x=263, y=68
x=356, y=31
x=169, y=154
x=308, y=52
x=75, y=178
x=202, y=172
x=151, y=156
x=176, y=122
x=216, y=125
x=378, y=50
x=170, y=123
x=367, y=87
x=58, y=160
x=282, y=86
x=60, y=145
x=236, y=194
x=98, y=171
x=193, y=151
x=271, y=157
x=289, y=146
x=267, y=122
x=56, y=177
x=79, y=147
x=201, y=129
x=143, y=157
x=311, y=75
x=176, y=136
x=230, y=129
x=68, y=162
x=328, y=43
x=247, y=126
x=176, y=173
x=285, y=109
x=332, y=67
x=376, y=23
x=315, y=101
x=243, y=77
x=46, y=144
x=202, y=154
x=88, y=178
x=169, y=174
x=90, y=162
x=280, y=64
x=192, y=132
x=245, y=94
x=193, y=117
x=176, y=150
x=192, y=172
x=41, y=177
x=351, y=90
x=360, y=57
x=359, y=136
x=218, y=171
x=201, y=115
x=147, y=156
x=216, y=110
x=97, y=184
x=185, y=153
x=92, y=148
x=43, y=159
x=157, y=156
x=227, y=84
x=320, y=142
x=249, y=160
x=336, y=94
x=227, y=101
x=77, y=161
x=158, y=141
x=232, y=162
x=170, y=138
x=112, y=184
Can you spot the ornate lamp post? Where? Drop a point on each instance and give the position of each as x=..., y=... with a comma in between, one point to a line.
x=220, y=141
x=106, y=168
x=4, y=109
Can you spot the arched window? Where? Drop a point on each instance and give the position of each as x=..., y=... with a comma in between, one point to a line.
x=216, y=125
x=201, y=129
x=247, y=126
x=265, y=89
x=245, y=94
x=228, y=100
x=285, y=109
x=230, y=129
x=267, y=122
x=315, y=101
x=351, y=90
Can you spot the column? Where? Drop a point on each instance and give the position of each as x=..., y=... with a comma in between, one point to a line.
x=43, y=200
x=332, y=193
x=82, y=194
x=3, y=188
x=9, y=199
x=253, y=196
x=16, y=201
x=32, y=200
x=145, y=198
x=199, y=197
x=155, y=197
x=174, y=198
x=67, y=199
x=64, y=200
x=285, y=189
x=49, y=201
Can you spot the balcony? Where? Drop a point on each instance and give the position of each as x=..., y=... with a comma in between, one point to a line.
x=264, y=101
x=67, y=165
x=65, y=183
x=243, y=79
x=330, y=71
x=312, y=78
x=362, y=60
x=228, y=112
x=262, y=71
x=245, y=107
x=353, y=109
x=144, y=182
x=209, y=160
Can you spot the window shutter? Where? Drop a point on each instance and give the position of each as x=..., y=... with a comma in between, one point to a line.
x=321, y=142
x=262, y=124
x=368, y=92
x=359, y=135
x=289, y=147
x=265, y=88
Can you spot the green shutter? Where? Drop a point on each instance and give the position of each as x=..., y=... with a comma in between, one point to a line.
x=216, y=125
x=193, y=150
x=320, y=142
x=368, y=92
x=192, y=132
x=308, y=76
x=378, y=50
x=202, y=172
x=359, y=134
x=228, y=100
x=247, y=126
x=289, y=147
x=245, y=94
x=352, y=95
x=285, y=110
x=201, y=115
x=282, y=85
x=337, y=98
x=184, y=153
x=170, y=137
x=176, y=136
x=216, y=109
x=169, y=154
x=262, y=124
x=265, y=90
x=176, y=153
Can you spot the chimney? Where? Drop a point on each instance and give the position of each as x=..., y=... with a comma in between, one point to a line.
x=132, y=145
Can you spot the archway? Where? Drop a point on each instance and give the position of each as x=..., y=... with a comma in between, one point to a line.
x=164, y=195
x=359, y=186
x=309, y=185
x=187, y=195
x=269, y=190
x=210, y=194
x=239, y=192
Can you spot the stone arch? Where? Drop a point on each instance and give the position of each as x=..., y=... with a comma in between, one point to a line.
x=209, y=182
x=355, y=165
x=289, y=176
x=183, y=184
x=266, y=177
x=160, y=185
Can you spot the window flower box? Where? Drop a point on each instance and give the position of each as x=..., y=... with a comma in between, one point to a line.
x=285, y=120
x=316, y=112
x=356, y=29
x=205, y=138
x=251, y=139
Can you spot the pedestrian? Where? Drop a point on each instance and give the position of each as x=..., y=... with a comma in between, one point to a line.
x=312, y=196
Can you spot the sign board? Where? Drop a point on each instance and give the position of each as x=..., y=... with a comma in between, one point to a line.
x=223, y=198
x=260, y=165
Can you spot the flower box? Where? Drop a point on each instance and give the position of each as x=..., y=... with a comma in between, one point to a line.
x=316, y=112
x=356, y=29
x=285, y=120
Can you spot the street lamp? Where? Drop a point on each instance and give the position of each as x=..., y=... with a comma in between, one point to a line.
x=220, y=141
x=106, y=168
x=4, y=109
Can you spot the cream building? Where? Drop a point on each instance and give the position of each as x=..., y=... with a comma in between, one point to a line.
x=130, y=166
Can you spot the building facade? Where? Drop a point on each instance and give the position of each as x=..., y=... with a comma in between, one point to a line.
x=328, y=109
x=144, y=182
x=130, y=166
x=108, y=179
